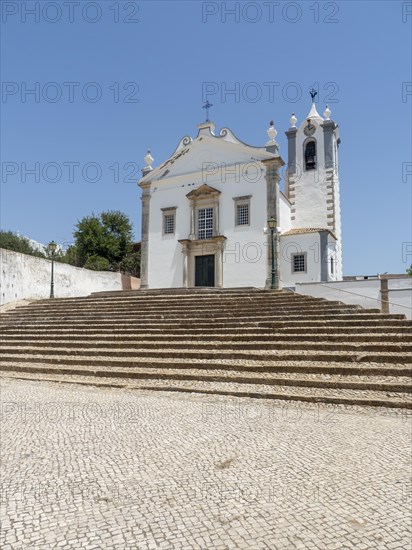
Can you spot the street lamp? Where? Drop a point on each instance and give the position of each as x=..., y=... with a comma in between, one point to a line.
x=272, y=227
x=52, y=248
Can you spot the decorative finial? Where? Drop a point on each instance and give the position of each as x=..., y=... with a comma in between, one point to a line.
x=148, y=160
x=327, y=112
x=293, y=120
x=272, y=133
x=313, y=94
x=207, y=106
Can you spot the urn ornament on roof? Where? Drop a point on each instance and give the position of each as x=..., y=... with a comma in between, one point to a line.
x=293, y=120
x=148, y=160
x=272, y=133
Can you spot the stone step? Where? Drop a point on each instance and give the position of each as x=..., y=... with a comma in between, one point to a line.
x=398, y=331
x=376, y=383
x=234, y=338
x=273, y=366
x=172, y=298
x=194, y=317
x=208, y=325
x=223, y=330
x=197, y=291
x=209, y=316
x=262, y=391
x=159, y=299
x=53, y=305
x=131, y=356
x=88, y=302
x=195, y=310
x=185, y=291
x=7, y=346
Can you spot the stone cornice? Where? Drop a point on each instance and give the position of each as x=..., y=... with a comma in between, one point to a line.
x=276, y=162
x=291, y=133
x=217, y=239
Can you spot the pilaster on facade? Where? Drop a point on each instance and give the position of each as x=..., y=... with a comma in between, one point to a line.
x=272, y=211
x=144, y=254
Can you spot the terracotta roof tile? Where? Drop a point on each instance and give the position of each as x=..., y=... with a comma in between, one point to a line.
x=303, y=230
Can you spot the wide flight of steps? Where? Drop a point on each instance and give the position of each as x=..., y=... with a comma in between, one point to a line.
x=244, y=342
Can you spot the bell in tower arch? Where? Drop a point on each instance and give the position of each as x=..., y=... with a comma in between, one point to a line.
x=310, y=155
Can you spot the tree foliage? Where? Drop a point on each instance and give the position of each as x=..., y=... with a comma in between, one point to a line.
x=11, y=241
x=131, y=264
x=71, y=256
x=409, y=271
x=106, y=236
x=102, y=242
x=97, y=263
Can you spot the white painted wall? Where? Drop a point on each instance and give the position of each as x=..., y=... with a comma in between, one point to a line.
x=298, y=244
x=311, y=193
x=310, y=186
x=244, y=258
x=28, y=277
x=365, y=293
x=285, y=221
x=245, y=255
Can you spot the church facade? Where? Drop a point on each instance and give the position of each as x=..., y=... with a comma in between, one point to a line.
x=208, y=209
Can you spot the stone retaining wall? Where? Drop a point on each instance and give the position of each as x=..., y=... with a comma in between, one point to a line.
x=28, y=277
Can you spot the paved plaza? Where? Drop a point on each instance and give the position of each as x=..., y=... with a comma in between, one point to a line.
x=105, y=468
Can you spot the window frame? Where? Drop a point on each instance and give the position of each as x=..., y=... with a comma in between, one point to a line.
x=242, y=201
x=305, y=263
x=205, y=230
x=169, y=212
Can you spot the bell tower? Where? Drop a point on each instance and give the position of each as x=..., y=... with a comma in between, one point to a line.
x=312, y=179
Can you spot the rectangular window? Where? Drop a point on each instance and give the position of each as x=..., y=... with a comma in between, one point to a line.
x=169, y=224
x=205, y=223
x=242, y=210
x=169, y=221
x=242, y=214
x=331, y=266
x=299, y=263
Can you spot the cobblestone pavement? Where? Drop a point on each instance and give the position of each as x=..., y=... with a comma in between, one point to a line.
x=98, y=468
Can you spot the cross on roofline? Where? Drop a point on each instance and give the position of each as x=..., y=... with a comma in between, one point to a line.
x=313, y=93
x=207, y=106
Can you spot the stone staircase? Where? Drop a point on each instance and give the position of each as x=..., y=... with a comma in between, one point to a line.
x=242, y=342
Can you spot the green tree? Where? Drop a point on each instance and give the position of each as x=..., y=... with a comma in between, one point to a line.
x=88, y=238
x=131, y=264
x=71, y=256
x=11, y=241
x=107, y=236
x=118, y=235
x=97, y=263
x=409, y=271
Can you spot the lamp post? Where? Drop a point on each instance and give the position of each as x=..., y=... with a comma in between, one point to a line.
x=272, y=227
x=52, y=248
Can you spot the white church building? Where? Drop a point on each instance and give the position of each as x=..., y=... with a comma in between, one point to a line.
x=207, y=210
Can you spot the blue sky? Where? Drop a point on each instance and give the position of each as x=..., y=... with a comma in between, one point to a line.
x=114, y=78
